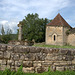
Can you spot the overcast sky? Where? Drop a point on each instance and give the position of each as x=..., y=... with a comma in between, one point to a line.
x=13, y=11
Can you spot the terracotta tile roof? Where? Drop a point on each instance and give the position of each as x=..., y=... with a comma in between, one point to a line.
x=58, y=21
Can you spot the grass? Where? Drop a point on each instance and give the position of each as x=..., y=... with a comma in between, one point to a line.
x=53, y=46
x=19, y=72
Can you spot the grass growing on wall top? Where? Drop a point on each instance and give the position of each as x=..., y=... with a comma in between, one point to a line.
x=53, y=46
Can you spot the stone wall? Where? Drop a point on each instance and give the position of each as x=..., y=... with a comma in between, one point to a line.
x=26, y=43
x=58, y=32
x=71, y=39
x=36, y=59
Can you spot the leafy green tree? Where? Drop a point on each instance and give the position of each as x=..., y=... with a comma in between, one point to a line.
x=6, y=37
x=34, y=27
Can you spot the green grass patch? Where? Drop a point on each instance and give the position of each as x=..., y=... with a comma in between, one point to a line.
x=53, y=46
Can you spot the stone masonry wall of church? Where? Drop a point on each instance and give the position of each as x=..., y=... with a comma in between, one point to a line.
x=36, y=59
x=71, y=39
x=50, y=31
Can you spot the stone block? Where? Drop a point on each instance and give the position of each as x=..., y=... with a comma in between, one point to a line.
x=11, y=62
x=72, y=67
x=17, y=43
x=1, y=54
x=73, y=52
x=60, y=68
x=3, y=67
x=50, y=57
x=21, y=49
x=3, y=47
x=54, y=57
x=47, y=63
x=46, y=69
x=28, y=70
x=22, y=56
x=10, y=47
x=45, y=50
x=16, y=57
x=6, y=55
x=53, y=68
x=53, y=50
x=35, y=49
x=63, y=51
x=40, y=69
x=73, y=62
x=37, y=63
x=0, y=62
x=67, y=68
x=4, y=62
x=74, y=57
x=68, y=58
x=12, y=55
x=56, y=64
x=12, y=68
x=69, y=52
x=27, y=64
x=18, y=63
x=40, y=56
x=8, y=66
x=69, y=62
x=30, y=57
x=62, y=63
x=16, y=68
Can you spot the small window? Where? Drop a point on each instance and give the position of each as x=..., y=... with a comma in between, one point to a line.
x=54, y=37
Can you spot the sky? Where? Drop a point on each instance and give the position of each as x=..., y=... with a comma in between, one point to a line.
x=13, y=11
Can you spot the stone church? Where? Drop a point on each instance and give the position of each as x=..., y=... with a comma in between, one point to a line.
x=59, y=32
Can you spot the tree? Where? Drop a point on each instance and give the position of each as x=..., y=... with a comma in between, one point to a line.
x=9, y=31
x=2, y=31
x=6, y=37
x=34, y=27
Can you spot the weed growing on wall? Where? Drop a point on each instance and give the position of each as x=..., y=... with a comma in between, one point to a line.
x=20, y=72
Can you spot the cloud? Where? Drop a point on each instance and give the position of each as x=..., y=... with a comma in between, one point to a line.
x=21, y=8
x=3, y=22
x=11, y=24
x=17, y=9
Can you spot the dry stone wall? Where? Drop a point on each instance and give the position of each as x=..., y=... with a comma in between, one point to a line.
x=36, y=59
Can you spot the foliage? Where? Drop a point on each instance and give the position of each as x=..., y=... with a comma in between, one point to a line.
x=68, y=32
x=5, y=38
x=6, y=72
x=9, y=31
x=34, y=27
x=53, y=46
x=19, y=72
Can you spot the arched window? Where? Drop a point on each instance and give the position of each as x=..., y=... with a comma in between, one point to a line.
x=54, y=37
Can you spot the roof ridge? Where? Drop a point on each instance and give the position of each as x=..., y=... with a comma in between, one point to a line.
x=59, y=21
